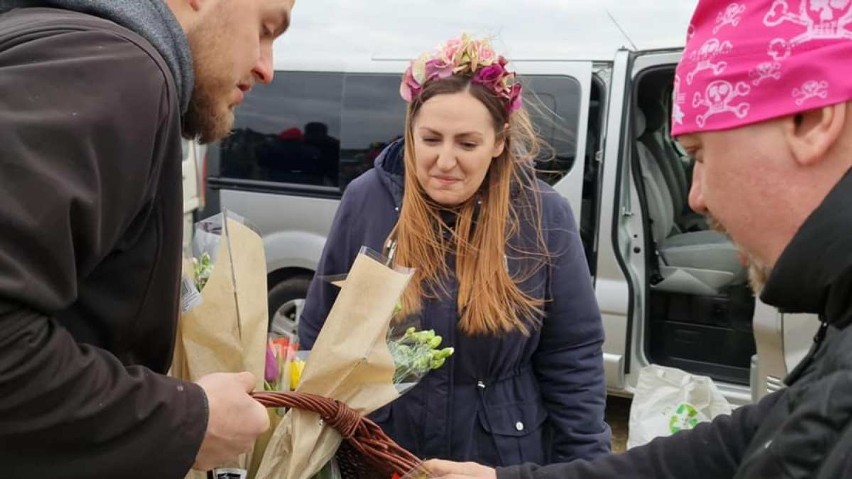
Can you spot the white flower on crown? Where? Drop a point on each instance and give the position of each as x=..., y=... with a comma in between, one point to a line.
x=705, y=55
x=731, y=16
x=822, y=19
x=718, y=98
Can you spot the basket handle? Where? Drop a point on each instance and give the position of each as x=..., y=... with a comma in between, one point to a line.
x=363, y=434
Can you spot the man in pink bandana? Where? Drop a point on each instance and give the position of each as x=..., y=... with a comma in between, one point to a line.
x=762, y=104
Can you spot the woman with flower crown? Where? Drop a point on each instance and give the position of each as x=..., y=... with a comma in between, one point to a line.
x=500, y=272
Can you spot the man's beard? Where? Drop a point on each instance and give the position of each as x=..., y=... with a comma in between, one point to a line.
x=205, y=119
x=758, y=272
x=208, y=118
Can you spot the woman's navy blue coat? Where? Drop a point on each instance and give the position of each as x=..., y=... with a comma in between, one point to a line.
x=499, y=400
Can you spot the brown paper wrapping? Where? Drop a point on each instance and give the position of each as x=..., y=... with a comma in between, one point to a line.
x=227, y=332
x=350, y=362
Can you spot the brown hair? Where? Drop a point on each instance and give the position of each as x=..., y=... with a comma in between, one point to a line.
x=490, y=300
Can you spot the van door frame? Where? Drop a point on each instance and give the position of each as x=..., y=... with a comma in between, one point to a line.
x=615, y=292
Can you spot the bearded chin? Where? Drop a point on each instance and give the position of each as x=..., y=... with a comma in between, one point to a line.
x=758, y=273
x=205, y=120
x=208, y=117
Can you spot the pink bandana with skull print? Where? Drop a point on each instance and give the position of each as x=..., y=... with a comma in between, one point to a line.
x=753, y=60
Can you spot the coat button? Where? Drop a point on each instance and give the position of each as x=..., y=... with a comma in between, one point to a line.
x=519, y=426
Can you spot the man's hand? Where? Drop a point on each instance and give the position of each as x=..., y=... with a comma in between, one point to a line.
x=459, y=470
x=235, y=419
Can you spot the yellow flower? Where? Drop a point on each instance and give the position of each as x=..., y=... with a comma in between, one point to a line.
x=296, y=367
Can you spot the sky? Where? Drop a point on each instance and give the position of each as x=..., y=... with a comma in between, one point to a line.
x=326, y=30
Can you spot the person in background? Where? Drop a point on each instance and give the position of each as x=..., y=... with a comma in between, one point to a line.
x=771, y=136
x=500, y=272
x=328, y=163
x=95, y=96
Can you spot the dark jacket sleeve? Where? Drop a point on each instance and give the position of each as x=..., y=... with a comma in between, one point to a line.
x=80, y=116
x=569, y=360
x=338, y=254
x=710, y=451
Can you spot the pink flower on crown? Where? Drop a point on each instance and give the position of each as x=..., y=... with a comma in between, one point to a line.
x=516, y=100
x=489, y=75
x=413, y=78
x=437, y=68
x=409, y=88
x=486, y=54
x=450, y=50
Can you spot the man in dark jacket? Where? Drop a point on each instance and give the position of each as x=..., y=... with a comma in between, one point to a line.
x=93, y=95
x=771, y=133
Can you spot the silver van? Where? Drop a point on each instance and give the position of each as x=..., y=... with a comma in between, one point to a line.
x=671, y=291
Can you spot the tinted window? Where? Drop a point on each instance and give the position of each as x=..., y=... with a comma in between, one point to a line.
x=373, y=116
x=554, y=106
x=287, y=131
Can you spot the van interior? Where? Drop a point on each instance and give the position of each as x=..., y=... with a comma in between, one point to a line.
x=697, y=287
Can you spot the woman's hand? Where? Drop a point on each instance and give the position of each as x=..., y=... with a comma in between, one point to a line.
x=459, y=470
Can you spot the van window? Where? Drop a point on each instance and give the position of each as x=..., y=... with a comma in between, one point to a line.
x=373, y=117
x=554, y=106
x=325, y=129
x=286, y=132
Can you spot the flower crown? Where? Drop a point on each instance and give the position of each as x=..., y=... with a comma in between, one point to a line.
x=467, y=57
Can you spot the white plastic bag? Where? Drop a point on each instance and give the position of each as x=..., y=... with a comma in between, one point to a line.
x=668, y=400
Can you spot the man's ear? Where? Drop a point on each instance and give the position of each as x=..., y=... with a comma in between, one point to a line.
x=186, y=12
x=811, y=134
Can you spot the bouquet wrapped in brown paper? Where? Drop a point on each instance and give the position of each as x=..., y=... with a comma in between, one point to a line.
x=349, y=364
x=223, y=324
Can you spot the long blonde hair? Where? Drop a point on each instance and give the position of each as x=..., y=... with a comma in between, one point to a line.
x=490, y=300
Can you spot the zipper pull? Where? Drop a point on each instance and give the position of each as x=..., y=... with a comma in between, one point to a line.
x=480, y=384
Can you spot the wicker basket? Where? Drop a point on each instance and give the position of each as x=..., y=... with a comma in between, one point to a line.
x=366, y=452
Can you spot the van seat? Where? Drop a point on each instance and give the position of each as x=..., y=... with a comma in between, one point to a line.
x=700, y=262
x=657, y=138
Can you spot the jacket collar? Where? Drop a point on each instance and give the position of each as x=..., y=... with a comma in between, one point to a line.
x=390, y=168
x=814, y=273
